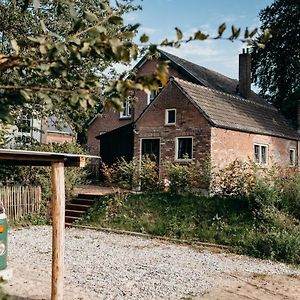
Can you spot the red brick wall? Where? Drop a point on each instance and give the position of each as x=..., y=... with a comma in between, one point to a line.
x=189, y=122
x=53, y=137
x=228, y=145
x=111, y=120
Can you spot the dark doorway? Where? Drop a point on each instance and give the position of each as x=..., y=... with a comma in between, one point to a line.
x=151, y=147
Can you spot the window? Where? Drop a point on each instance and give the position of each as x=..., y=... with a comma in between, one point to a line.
x=261, y=154
x=170, y=116
x=126, y=113
x=184, y=148
x=153, y=94
x=292, y=157
x=25, y=124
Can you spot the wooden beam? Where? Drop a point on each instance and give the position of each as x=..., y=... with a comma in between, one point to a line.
x=58, y=224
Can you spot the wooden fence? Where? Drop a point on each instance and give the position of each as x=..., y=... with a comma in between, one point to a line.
x=20, y=200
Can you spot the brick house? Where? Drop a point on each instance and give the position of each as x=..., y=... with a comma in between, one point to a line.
x=200, y=114
x=188, y=121
x=178, y=67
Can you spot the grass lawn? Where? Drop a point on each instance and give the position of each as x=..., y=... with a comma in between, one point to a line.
x=226, y=221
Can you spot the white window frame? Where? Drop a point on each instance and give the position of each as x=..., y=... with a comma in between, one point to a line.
x=127, y=112
x=150, y=98
x=167, y=116
x=260, y=154
x=25, y=118
x=292, y=150
x=177, y=148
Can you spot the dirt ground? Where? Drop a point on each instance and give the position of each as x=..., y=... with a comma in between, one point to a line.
x=257, y=287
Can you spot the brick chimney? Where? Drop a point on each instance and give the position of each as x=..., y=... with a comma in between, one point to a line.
x=245, y=74
x=298, y=117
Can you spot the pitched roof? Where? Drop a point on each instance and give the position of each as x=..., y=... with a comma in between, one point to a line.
x=206, y=77
x=233, y=112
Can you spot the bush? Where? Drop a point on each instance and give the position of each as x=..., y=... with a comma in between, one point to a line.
x=236, y=180
x=149, y=179
x=289, y=186
x=273, y=243
x=131, y=175
x=188, y=177
x=122, y=173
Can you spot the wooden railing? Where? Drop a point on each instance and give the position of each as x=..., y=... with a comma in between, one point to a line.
x=20, y=200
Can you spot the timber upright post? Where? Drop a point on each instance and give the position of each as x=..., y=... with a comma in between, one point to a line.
x=58, y=228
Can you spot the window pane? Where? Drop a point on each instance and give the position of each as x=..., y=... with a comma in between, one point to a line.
x=263, y=154
x=292, y=157
x=256, y=153
x=171, y=116
x=184, y=148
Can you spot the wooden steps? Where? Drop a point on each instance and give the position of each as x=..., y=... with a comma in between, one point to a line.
x=76, y=208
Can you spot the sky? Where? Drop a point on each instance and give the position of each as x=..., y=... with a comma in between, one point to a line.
x=159, y=18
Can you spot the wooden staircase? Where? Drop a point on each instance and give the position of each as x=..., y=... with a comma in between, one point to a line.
x=77, y=207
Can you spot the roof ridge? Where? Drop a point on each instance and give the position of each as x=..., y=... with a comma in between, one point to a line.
x=226, y=94
x=197, y=65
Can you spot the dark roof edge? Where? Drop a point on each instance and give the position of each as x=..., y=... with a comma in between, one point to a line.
x=116, y=129
x=287, y=137
x=267, y=105
x=165, y=55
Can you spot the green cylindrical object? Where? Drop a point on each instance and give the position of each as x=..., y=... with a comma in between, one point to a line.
x=3, y=241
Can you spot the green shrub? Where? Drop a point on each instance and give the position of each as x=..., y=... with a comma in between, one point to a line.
x=123, y=173
x=189, y=176
x=289, y=186
x=235, y=180
x=148, y=176
x=180, y=178
x=273, y=243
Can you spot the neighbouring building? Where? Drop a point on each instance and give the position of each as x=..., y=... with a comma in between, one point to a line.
x=44, y=131
x=200, y=114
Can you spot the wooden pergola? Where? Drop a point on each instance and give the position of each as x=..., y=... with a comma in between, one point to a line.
x=57, y=161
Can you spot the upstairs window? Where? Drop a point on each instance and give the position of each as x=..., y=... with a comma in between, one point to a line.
x=170, y=116
x=153, y=94
x=126, y=113
x=184, y=148
x=261, y=154
x=25, y=124
x=292, y=157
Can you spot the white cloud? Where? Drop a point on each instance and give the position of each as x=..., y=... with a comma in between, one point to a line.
x=131, y=17
x=147, y=30
x=196, y=49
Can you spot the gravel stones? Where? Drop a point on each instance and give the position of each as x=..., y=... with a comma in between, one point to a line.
x=101, y=265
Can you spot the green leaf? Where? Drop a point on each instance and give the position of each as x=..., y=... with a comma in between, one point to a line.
x=144, y=38
x=36, y=4
x=179, y=33
x=44, y=28
x=115, y=20
x=25, y=95
x=235, y=32
x=15, y=46
x=246, y=34
x=89, y=16
x=253, y=32
x=221, y=29
x=200, y=36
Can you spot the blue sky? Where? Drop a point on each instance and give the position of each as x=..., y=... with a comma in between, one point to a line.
x=159, y=18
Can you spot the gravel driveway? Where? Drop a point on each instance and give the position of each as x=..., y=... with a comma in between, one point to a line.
x=110, y=266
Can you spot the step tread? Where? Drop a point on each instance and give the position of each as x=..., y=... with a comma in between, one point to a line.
x=74, y=211
x=78, y=205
